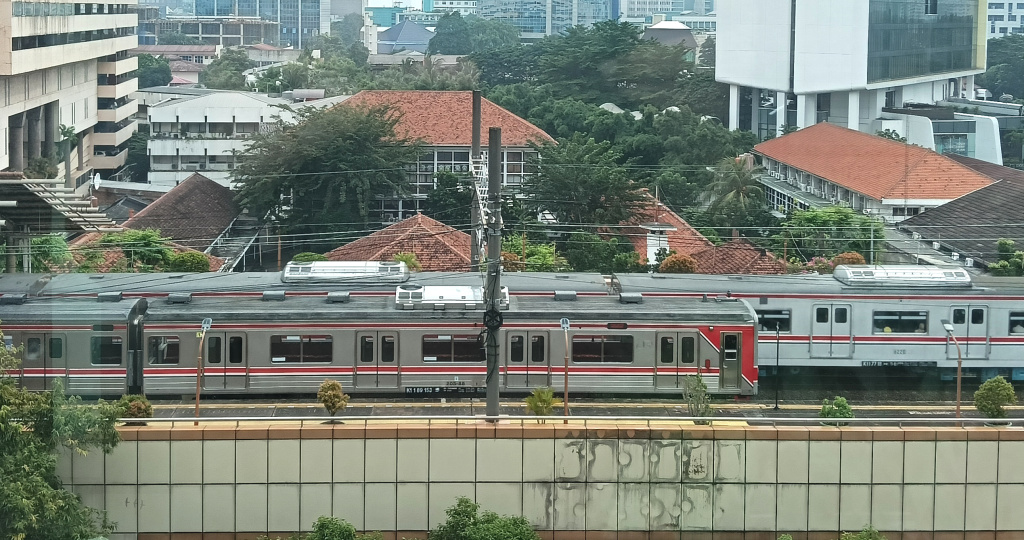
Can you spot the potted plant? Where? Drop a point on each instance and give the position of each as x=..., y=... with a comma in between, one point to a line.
x=992, y=398
x=332, y=398
x=836, y=408
x=135, y=406
x=541, y=402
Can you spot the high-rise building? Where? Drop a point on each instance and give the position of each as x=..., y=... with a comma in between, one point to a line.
x=869, y=65
x=66, y=65
x=538, y=18
x=300, y=20
x=1005, y=18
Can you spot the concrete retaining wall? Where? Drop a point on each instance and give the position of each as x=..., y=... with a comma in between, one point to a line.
x=666, y=482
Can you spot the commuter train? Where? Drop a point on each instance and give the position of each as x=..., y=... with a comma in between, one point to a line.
x=108, y=334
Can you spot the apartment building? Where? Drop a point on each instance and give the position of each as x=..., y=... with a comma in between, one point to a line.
x=67, y=64
x=1005, y=18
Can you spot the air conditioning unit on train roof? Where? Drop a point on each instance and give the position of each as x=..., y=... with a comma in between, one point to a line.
x=443, y=297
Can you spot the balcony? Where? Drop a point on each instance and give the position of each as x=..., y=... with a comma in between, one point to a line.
x=115, y=91
x=118, y=114
x=194, y=147
x=108, y=160
x=114, y=137
x=26, y=60
x=118, y=67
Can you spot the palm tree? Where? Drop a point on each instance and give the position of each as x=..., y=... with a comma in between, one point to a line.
x=735, y=184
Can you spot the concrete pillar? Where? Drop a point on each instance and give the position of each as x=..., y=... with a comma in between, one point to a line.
x=81, y=150
x=853, y=110
x=734, y=107
x=755, y=110
x=970, y=87
x=16, y=123
x=12, y=258
x=802, y=103
x=34, y=121
x=780, y=112
x=50, y=129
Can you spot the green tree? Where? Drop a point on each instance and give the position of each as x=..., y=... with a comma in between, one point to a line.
x=348, y=28
x=451, y=36
x=734, y=183
x=680, y=263
x=33, y=427
x=188, y=261
x=411, y=261
x=153, y=71
x=175, y=38
x=540, y=257
x=588, y=252
x=308, y=256
x=49, y=252
x=491, y=34
x=466, y=522
x=326, y=169
x=891, y=134
x=225, y=73
x=144, y=250
x=826, y=232
x=41, y=167
x=582, y=183
x=1005, y=73
x=137, y=161
x=509, y=65
x=576, y=62
x=707, y=53
x=451, y=200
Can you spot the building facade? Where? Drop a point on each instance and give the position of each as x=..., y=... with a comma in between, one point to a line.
x=298, y=20
x=538, y=18
x=1005, y=18
x=465, y=7
x=67, y=64
x=864, y=64
x=223, y=31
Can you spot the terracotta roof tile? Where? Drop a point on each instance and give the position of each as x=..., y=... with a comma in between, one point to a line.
x=875, y=166
x=438, y=247
x=684, y=239
x=446, y=118
x=737, y=256
x=192, y=214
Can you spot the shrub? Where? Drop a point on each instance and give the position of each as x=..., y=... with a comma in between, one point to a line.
x=993, y=395
x=466, y=522
x=837, y=408
x=698, y=402
x=541, y=402
x=332, y=528
x=410, y=260
x=332, y=397
x=867, y=533
x=134, y=406
x=308, y=256
x=850, y=257
x=680, y=263
x=189, y=261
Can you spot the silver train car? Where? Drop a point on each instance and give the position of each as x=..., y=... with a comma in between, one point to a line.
x=871, y=316
x=417, y=340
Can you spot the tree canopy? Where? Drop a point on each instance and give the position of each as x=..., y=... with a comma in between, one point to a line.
x=153, y=71
x=457, y=35
x=827, y=232
x=327, y=168
x=225, y=73
x=1005, y=73
x=451, y=199
x=348, y=28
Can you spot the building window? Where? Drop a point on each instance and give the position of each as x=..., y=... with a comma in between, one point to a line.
x=301, y=349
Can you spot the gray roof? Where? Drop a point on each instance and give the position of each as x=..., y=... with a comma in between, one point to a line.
x=404, y=35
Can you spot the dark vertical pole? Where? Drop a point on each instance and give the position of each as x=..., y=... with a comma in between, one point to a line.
x=493, y=290
x=778, y=378
x=475, y=153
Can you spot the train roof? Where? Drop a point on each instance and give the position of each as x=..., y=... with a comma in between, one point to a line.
x=70, y=310
x=257, y=282
x=371, y=308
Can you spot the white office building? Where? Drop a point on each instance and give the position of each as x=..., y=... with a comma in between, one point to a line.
x=869, y=65
x=67, y=64
x=1005, y=18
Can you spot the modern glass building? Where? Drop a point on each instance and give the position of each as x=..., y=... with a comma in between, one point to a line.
x=539, y=18
x=909, y=39
x=300, y=20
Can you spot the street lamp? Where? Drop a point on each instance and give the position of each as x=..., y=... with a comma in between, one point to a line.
x=959, y=361
x=777, y=378
x=207, y=323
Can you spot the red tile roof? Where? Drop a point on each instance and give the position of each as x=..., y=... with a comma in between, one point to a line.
x=438, y=247
x=684, y=239
x=737, y=257
x=192, y=214
x=446, y=118
x=875, y=166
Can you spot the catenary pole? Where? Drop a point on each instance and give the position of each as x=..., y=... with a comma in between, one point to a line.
x=492, y=317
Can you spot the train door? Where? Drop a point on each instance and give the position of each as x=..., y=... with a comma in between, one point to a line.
x=526, y=363
x=831, y=336
x=376, y=360
x=43, y=361
x=224, y=361
x=677, y=355
x=730, y=361
x=970, y=326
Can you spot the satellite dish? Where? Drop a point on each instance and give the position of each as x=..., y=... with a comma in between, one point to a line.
x=96, y=181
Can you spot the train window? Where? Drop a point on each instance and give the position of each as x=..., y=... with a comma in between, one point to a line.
x=668, y=355
x=516, y=349
x=164, y=350
x=840, y=315
x=770, y=319
x=602, y=349
x=537, y=349
x=821, y=315
x=977, y=316
x=296, y=349
x=235, y=349
x=56, y=347
x=959, y=316
x=688, y=350
x=213, y=350
x=387, y=348
x=452, y=348
x=33, y=349
x=729, y=341
x=1017, y=322
x=900, y=322
x=366, y=349
x=106, y=351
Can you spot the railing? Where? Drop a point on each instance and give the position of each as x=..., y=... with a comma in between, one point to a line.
x=651, y=422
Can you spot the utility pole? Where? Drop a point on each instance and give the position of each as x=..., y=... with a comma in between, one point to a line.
x=492, y=292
